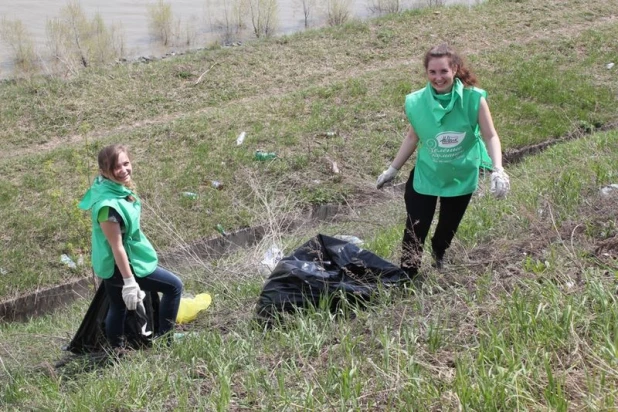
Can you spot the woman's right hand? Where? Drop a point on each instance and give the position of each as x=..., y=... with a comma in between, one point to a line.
x=500, y=183
x=386, y=176
x=131, y=294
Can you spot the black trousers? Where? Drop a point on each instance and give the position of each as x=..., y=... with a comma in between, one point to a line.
x=420, y=210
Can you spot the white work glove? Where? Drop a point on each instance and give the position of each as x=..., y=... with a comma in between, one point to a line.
x=500, y=184
x=386, y=176
x=131, y=294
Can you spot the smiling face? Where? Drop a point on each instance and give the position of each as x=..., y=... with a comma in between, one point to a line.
x=122, y=169
x=440, y=74
x=115, y=164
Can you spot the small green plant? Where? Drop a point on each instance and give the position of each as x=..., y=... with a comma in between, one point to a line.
x=534, y=265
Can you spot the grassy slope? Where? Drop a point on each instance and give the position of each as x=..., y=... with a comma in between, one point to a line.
x=524, y=318
x=286, y=93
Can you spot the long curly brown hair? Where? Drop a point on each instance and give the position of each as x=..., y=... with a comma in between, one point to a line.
x=457, y=63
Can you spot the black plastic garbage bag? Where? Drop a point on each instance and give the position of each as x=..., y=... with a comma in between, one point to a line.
x=325, y=267
x=139, y=326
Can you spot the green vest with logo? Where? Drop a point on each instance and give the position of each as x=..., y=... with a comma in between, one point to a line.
x=142, y=256
x=450, y=149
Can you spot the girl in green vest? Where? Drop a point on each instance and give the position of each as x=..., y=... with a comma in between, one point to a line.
x=121, y=254
x=447, y=119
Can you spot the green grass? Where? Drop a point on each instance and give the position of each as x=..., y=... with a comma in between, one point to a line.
x=523, y=318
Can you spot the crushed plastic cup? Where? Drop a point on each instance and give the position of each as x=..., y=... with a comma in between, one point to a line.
x=216, y=184
x=240, y=138
x=272, y=256
x=67, y=261
x=609, y=65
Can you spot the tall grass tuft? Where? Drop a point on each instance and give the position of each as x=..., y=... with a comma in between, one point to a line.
x=16, y=36
x=338, y=12
x=381, y=7
x=75, y=41
x=160, y=21
x=263, y=17
x=231, y=22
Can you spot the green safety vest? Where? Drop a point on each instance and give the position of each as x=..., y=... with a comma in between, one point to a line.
x=142, y=256
x=450, y=149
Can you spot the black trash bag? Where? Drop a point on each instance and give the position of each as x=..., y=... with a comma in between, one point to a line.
x=139, y=328
x=325, y=267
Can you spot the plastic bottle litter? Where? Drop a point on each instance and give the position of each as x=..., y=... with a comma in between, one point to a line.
x=240, y=138
x=216, y=184
x=67, y=261
x=220, y=229
x=261, y=155
x=190, y=195
x=190, y=307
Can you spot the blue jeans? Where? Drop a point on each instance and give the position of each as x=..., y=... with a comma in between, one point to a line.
x=160, y=280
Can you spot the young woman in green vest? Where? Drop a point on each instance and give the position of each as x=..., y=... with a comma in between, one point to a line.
x=452, y=128
x=121, y=254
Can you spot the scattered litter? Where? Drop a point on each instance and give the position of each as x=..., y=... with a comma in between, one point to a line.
x=261, y=155
x=216, y=184
x=67, y=261
x=240, y=138
x=3, y=271
x=316, y=181
x=609, y=65
x=190, y=195
x=191, y=306
x=570, y=284
x=331, y=134
x=272, y=257
x=607, y=190
x=334, y=168
x=350, y=239
x=333, y=165
x=220, y=229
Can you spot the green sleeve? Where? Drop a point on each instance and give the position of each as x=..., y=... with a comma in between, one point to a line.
x=103, y=214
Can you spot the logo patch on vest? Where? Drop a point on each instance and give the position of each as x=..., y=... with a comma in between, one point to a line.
x=447, y=140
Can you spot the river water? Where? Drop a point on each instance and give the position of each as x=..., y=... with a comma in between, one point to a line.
x=199, y=20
